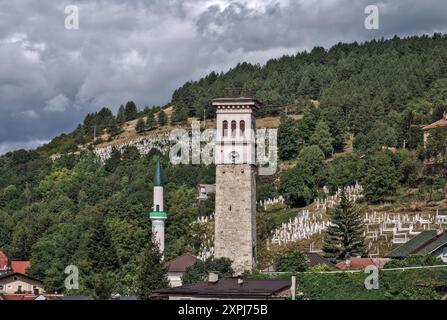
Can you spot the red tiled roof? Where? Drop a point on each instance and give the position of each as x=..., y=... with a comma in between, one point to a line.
x=20, y=266
x=439, y=123
x=356, y=263
x=17, y=297
x=3, y=260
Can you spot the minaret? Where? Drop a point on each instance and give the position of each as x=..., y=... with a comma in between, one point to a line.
x=158, y=215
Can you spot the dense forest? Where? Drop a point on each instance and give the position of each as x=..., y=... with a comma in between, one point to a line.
x=357, y=101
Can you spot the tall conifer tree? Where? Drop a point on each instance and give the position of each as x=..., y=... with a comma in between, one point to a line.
x=153, y=273
x=344, y=238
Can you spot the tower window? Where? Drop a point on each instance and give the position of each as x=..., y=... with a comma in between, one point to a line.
x=233, y=128
x=157, y=208
x=225, y=128
x=242, y=128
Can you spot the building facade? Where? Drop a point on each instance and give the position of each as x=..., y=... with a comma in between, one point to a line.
x=235, y=158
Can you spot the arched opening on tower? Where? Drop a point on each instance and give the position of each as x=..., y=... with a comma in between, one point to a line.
x=225, y=128
x=242, y=128
x=233, y=128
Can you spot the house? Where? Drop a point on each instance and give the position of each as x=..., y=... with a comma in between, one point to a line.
x=18, y=283
x=440, y=123
x=427, y=242
x=7, y=265
x=228, y=289
x=204, y=190
x=361, y=263
x=177, y=268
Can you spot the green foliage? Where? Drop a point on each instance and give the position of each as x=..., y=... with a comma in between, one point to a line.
x=150, y=122
x=312, y=158
x=380, y=135
x=140, y=126
x=100, y=250
x=414, y=261
x=162, y=118
x=381, y=178
x=409, y=167
x=344, y=237
x=393, y=285
x=121, y=116
x=153, y=273
x=289, y=139
x=416, y=284
x=437, y=145
x=323, y=139
x=291, y=261
x=297, y=186
x=199, y=271
x=183, y=212
x=344, y=171
x=130, y=111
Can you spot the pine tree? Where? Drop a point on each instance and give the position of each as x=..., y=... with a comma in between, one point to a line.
x=322, y=137
x=114, y=128
x=179, y=116
x=100, y=250
x=140, y=126
x=121, y=116
x=162, y=118
x=153, y=273
x=344, y=238
x=150, y=122
x=131, y=111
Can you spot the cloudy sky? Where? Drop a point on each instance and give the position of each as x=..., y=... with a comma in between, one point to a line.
x=50, y=77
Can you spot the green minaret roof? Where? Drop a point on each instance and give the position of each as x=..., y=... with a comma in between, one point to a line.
x=158, y=176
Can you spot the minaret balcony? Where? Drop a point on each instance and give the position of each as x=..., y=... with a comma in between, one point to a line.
x=158, y=215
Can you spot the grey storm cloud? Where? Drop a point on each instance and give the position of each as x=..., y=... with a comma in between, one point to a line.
x=50, y=77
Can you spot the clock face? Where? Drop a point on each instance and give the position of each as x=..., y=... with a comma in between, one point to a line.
x=234, y=156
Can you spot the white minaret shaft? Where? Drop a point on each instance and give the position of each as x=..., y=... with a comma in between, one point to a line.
x=158, y=216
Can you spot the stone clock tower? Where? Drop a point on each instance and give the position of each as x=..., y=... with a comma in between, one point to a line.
x=235, y=157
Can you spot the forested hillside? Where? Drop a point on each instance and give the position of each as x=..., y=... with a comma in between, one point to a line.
x=364, y=82
x=357, y=102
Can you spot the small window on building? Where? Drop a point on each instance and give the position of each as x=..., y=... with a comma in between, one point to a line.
x=233, y=128
x=1, y=287
x=242, y=128
x=16, y=278
x=225, y=128
x=157, y=208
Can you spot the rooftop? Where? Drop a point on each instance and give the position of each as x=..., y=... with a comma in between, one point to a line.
x=20, y=266
x=440, y=123
x=230, y=288
x=181, y=263
x=424, y=243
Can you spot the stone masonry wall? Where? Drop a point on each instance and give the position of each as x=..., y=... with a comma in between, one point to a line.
x=235, y=217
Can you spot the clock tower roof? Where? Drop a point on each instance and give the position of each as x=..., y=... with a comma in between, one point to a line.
x=235, y=102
